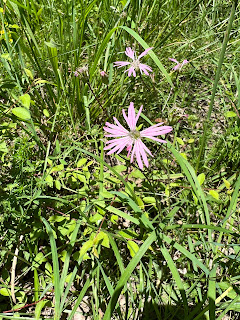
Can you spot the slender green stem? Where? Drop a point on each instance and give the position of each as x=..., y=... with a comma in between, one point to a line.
x=36, y=279
x=217, y=76
x=101, y=171
x=145, y=84
x=91, y=89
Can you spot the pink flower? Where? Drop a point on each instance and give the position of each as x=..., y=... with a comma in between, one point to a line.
x=103, y=74
x=179, y=65
x=135, y=65
x=132, y=139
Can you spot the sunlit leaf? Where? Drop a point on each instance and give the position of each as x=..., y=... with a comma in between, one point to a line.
x=21, y=113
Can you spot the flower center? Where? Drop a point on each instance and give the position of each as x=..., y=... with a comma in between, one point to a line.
x=135, y=64
x=134, y=134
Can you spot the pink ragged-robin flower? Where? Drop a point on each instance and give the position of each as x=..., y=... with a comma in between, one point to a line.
x=132, y=139
x=135, y=64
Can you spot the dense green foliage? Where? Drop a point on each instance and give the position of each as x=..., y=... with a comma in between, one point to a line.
x=85, y=233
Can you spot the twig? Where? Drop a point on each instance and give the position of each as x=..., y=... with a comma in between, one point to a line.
x=25, y=306
x=90, y=87
x=235, y=109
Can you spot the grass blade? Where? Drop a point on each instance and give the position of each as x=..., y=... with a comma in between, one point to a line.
x=56, y=281
x=127, y=273
x=176, y=277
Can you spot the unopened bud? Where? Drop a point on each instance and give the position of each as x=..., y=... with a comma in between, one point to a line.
x=104, y=77
x=82, y=72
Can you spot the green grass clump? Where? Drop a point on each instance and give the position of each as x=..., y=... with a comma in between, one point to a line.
x=90, y=235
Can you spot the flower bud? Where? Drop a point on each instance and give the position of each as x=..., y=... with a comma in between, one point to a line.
x=82, y=73
x=104, y=77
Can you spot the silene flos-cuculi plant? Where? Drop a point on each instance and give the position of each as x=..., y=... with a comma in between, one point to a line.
x=132, y=139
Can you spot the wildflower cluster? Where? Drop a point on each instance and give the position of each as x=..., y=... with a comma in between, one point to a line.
x=132, y=139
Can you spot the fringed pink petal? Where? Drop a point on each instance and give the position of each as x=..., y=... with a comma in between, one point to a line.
x=131, y=117
x=120, y=64
x=131, y=71
x=130, y=53
x=156, y=139
x=155, y=131
x=144, y=52
x=141, y=147
x=173, y=60
x=138, y=155
x=177, y=67
x=144, y=68
x=137, y=116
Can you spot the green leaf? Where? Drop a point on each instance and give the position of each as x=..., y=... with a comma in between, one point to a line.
x=14, y=26
x=106, y=195
x=122, y=214
x=103, y=237
x=29, y=73
x=97, y=217
x=3, y=147
x=132, y=247
x=230, y=114
x=227, y=183
x=25, y=100
x=183, y=155
x=100, y=51
x=114, y=218
x=180, y=141
x=46, y=113
x=120, y=168
x=81, y=178
x=58, y=184
x=49, y=180
x=81, y=162
x=140, y=202
x=86, y=246
x=56, y=278
x=38, y=260
x=6, y=56
x=149, y=200
x=128, y=234
x=40, y=305
x=51, y=44
x=228, y=289
x=18, y=306
x=57, y=168
x=137, y=174
x=5, y=292
x=175, y=274
x=56, y=218
x=214, y=194
x=48, y=269
x=201, y=178
x=21, y=113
